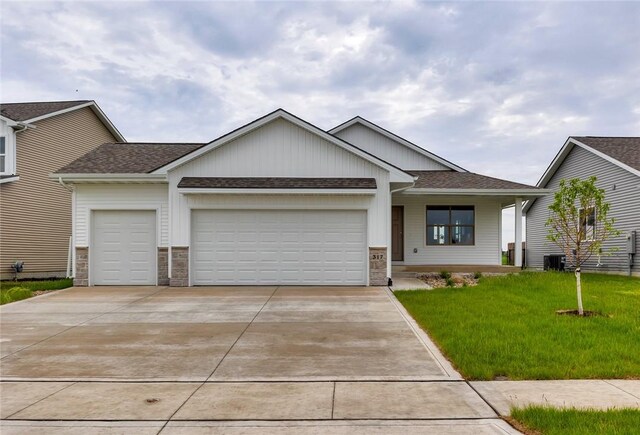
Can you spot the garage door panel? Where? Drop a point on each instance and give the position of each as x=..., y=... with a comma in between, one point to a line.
x=278, y=247
x=123, y=250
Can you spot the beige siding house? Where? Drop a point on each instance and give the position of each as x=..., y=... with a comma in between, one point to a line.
x=35, y=211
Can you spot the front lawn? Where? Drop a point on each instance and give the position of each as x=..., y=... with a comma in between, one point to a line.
x=12, y=291
x=507, y=326
x=550, y=421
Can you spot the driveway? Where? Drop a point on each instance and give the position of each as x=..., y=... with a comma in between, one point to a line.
x=161, y=358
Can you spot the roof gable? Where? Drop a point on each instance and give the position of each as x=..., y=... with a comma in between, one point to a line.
x=623, y=152
x=359, y=121
x=396, y=173
x=30, y=112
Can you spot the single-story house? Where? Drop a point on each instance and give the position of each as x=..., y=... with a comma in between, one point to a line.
x=280, y=201
x=615, y=162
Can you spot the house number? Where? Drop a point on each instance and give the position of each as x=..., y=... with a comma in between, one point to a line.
x=377, y=256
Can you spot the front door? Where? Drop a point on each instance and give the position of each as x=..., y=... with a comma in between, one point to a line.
x=397, y=233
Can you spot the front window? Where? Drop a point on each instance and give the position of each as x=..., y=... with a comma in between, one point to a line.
x=3, y=155
x=450, y=225
x=588, y=223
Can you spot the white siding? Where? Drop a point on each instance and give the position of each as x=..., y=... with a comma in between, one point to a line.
x=387, y=149
x=120, y=197
x=280, y=149
x=625, y=209
x=486, y=250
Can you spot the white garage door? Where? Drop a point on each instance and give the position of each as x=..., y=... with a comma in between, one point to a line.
x=278, y=247
x=124, y=248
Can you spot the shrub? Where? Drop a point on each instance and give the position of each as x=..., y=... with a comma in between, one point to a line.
x=445, y=275
x=450, y=282
x=477, y=275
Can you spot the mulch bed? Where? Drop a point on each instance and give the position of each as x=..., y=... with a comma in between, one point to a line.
x=458, y=279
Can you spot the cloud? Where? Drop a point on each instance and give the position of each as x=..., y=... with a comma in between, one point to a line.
x=494, y=87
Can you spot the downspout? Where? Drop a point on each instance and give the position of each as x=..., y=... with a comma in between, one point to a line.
x=70, y=262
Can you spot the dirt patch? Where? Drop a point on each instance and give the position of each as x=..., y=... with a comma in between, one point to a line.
x=575, y=313
x=440, y=280
x=41, y=292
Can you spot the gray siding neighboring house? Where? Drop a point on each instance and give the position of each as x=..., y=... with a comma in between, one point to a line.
x=614, y=161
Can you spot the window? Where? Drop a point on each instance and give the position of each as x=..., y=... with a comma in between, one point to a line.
x=3, y=155
x=588, y=223
x=450, y=225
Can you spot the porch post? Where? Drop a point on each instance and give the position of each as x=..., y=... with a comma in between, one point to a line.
x=518, y=236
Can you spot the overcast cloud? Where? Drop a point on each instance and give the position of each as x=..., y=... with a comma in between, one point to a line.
x=493, y=87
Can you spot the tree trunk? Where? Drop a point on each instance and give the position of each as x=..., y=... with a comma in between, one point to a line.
x=579, y=288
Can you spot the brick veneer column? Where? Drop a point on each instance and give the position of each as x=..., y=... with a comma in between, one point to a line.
x=81, y=278
x=377, y=266
x=179, y=266
x=163, y=266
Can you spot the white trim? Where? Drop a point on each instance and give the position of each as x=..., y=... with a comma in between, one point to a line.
x=202, y=191
x=129, y=178
x=399, y=174
x=396, y=138
x=9, y=179
x=532, y=193
x=562, y=155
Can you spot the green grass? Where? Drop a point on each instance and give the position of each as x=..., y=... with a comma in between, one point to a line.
x=12, y=291
x=507, y=326
x=505, y=260
x=550, y=421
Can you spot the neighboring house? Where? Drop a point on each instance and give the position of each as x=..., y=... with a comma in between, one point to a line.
x=35, y=213
x=280, y=201
x=615, y=161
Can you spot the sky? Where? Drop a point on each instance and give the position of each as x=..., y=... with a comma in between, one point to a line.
x=493, y=87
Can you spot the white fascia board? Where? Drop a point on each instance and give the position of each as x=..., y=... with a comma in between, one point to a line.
x=398, y=139
x=10, y=122
x=110, y=178
x=607, y=157
x=205, y=191
x=95, y=108
x=9, y=179
x=396, y=174
x=520, y=193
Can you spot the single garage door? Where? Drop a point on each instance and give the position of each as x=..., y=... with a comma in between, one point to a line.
x=124, y=248
x=305, y=247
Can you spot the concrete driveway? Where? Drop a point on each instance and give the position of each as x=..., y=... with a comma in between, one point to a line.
x=159, y=359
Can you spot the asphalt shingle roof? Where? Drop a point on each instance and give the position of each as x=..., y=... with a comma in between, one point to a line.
x=25, y=111
x=277, y=183
x=128, y=158
x=624, y=149
x=462, y=180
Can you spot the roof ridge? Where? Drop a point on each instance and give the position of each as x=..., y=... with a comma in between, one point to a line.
x=41, y=102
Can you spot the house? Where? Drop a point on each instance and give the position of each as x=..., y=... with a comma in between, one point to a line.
x=279, y=201
x=615, y=161
x=35, y=214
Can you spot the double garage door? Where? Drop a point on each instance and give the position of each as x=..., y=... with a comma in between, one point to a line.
x=304, y=247
x=236, y=247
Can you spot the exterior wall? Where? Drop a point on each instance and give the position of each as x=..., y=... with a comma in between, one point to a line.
x=179, y=266
x=163, y=266
x=378, y=266
x=81, y=278
x=625, y=209
x=487, y=249
x=35, y=211
x=90, y=197
x=281, y=149
x=388, y=149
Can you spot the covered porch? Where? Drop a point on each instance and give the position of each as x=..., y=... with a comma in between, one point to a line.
x=452, y=221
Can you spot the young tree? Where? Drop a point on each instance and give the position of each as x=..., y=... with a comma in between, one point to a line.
x=578, y=224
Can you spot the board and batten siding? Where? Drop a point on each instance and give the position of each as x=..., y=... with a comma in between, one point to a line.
x=485, y=251
x=281, y=149
x=388, y=149
x=89, y=197
x=35, y=211
x=625, y=209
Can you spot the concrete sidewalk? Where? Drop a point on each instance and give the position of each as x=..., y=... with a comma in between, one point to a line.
x=595, y=394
